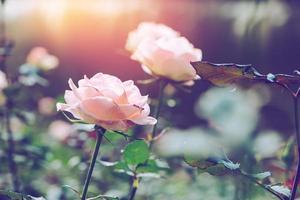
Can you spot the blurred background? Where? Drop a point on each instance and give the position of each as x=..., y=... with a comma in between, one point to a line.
x=88, y=36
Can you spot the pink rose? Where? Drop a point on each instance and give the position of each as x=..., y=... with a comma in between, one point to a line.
x=169, y=58
x=40, y=58
x=150, y=31
x=108, y=102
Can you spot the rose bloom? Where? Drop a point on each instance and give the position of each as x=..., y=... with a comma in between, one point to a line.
x=40, y=58
x=108, y=102
x=148, y=30
x=169, y=58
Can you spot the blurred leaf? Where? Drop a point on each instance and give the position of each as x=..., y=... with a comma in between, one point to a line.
x=9, y=195
x=262, y=175
x=288, y=153
x=215, y=170
x=107, y=164
x=73, y=189
x=213, y=166
x=280, y=189
x=229, y=164
x=149, y=175
x=27, y=69
x=33, y=79
x=201, y=164
x=137, y=152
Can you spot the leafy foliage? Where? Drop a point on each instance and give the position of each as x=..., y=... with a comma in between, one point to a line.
x=136, y=152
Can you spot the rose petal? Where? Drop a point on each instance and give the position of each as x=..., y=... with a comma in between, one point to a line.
x=122, y=125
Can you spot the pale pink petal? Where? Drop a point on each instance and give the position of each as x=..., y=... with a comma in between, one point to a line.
x=184, y=70
x=130, y=111
x=102, y=108
x=122, y=125
x=145, y=121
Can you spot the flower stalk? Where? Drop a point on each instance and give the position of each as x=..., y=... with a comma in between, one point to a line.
x=100, y=133
x=135, y=185
x=162, y=85
x=297, y=176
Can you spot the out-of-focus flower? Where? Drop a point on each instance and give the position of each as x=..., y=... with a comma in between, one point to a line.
x=3, y=80
x=150, y=31
x=259, y=17
x=60, y=130
x=108, y=102
x=17, y=126
x=194, y=142
x=267, y=144
x=168, y=57
x=233, y=113
x=40, y=58
x=46, y=105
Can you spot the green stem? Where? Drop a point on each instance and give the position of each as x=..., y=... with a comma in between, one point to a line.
x=134, y=188
x=100, y=132
x=297, y=176
x=162, y=85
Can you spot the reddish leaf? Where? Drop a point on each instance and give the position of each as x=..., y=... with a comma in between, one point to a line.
x=227, y=73
x=230, y=73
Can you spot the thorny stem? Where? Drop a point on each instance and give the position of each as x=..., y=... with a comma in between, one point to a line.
x=295, y=96
x=134, y=188
x=100, y=132
x=162, y=85
x=297, y=176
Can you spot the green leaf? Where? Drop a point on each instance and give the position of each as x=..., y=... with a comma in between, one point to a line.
x=137, y=152
x=122, y=167
x=149, y=167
